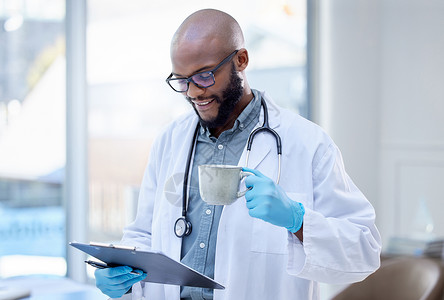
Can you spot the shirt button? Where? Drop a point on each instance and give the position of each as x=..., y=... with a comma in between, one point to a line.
x=208, y=211
x=220, y=147
x=241, y=126
x=202, y=245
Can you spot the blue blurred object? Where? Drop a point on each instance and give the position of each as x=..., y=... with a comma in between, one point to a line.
x=32, y=231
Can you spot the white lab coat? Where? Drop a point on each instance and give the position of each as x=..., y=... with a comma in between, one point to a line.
x=255, y=259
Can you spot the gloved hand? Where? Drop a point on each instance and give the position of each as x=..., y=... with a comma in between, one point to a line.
x=268, y=201
x=115, y=282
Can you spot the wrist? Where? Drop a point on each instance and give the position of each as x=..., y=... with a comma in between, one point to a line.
x=298, y=211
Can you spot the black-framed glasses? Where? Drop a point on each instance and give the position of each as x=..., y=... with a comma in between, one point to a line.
x=202, y=80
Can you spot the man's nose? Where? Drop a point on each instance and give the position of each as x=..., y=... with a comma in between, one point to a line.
x=194, y=91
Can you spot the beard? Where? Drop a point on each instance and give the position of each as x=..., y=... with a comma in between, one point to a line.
x=230, y=98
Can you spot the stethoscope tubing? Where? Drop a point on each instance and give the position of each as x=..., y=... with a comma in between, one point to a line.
x=187, y=171
x=265, y=127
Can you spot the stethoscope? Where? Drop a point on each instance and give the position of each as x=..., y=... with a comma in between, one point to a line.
x=183, y=227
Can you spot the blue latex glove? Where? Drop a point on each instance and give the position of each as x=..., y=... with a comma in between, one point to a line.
x=268, y=201
x=115, y=282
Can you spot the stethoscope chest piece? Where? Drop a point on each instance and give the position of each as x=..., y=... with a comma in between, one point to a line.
x=182, y=227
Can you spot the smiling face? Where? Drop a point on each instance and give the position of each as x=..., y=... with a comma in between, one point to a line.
x=218, y=102
x=227, y=103
x=202, y=42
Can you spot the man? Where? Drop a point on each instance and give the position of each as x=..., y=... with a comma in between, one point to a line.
x=279, y=240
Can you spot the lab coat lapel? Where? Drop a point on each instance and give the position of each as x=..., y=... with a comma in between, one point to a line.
x=184, y=138
x=264, y=144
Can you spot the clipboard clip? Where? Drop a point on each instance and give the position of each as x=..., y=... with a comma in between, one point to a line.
x=97, y=244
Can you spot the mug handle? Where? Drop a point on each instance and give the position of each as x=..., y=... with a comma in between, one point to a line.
x=243, y=174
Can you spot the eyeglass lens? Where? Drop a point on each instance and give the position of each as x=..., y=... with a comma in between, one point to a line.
x=202, y=80
x=205, y=79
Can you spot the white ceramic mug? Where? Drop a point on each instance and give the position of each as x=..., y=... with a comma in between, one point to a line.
x=219, y=184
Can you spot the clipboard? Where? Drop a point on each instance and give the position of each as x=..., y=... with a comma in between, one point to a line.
x=159, y=267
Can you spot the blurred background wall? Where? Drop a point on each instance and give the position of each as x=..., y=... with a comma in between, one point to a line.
x=379, y=92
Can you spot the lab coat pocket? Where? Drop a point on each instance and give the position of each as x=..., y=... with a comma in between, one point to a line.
x=269, y=238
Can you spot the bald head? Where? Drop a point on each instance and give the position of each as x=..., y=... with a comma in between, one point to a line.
x=208, y=29
x=210, y=40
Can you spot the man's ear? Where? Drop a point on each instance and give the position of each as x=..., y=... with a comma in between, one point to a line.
x=241, y=60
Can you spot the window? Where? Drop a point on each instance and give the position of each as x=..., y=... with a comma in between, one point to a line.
x=128, y=104
x=32, y=137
